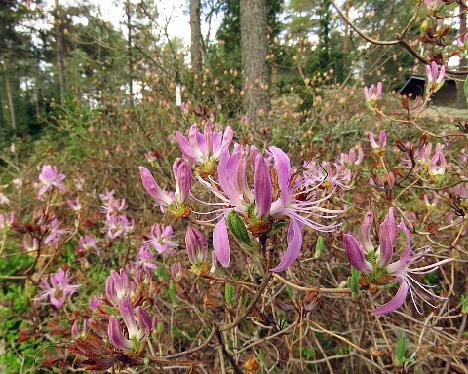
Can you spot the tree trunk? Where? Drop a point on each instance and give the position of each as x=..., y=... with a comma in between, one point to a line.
x=461, y=99
x=346, y=29
x=11, y=105
x=128, y=11
x=254, y=49
x=60, y=49
x=196, y=36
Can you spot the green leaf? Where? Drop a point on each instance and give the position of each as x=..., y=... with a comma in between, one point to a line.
x=228, y=293
x=353, y=281
x=464, y=303
x=109, y=310
x=277, y=225
x=319, y=246
x=160, y=327
x=172, y=293
x=400, y=350
x=237, y=228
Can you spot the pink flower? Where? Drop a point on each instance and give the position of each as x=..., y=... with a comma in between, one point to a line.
x=376, y=262
x=173, y=201
x=184, y=107
x=434, y=202
x=118, y=225
x=75, y=329
x=87, y=243
x=119, y=286
x=435, y=79
x=161, y=238
x=75, y=205
x=438, y=163
x=146, y=258
x=50, y=177
x=372, y=94
x=110, y=204
x=176, y=272
x=58, y=289
x=95, y=302
x=297, y=199
x=432, y=5
x=382, y=140
x=138, y=323
x=6, y=221
x=204, y=149
x=54, y=232
x=350, y=159
x=196, y=246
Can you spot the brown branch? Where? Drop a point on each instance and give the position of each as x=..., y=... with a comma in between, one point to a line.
x=399, y=41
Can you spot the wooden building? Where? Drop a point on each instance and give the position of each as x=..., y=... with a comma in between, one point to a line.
x=446, y=96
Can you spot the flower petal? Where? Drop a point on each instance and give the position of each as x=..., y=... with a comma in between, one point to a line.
x=294, y=246
x=221, y=246
x=387, y=237
x=283, y=170
x=263, y=190
x=355, y=253
x=395, y=303
x=365, y=232
x=152, y=188
x=115, y=335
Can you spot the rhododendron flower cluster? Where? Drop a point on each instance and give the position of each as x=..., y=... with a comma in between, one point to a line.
x=375, y=262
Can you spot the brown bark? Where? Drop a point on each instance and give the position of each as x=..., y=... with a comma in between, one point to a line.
x=196, y=36
x=461, y=99
x=254, y=49
x=11, y=106
x=346, y=28
x=59, y=37
x=128, y=11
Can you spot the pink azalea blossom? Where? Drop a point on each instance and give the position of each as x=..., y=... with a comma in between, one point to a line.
x=174, y=201
x=6, y=221
x=161, y=238
x=435, y=79
x=57, y=287
x=373, y=93
x=176, y=272
x=382, y=140
x=438, y=163
x=297, y=200
x=146, y=258
x=55, y=233
x=376, y=262
x=50, y=177
x=138, y=323
x=350, y=159
x=110, y=204
x=203, y=149
x=87, y=243
x=74, y=205
x=196, y=246
x=119, y=286
x=118, y=225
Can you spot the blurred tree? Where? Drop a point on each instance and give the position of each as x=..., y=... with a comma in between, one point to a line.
x=59, y=30
x=196, y=36
x=254, y=50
